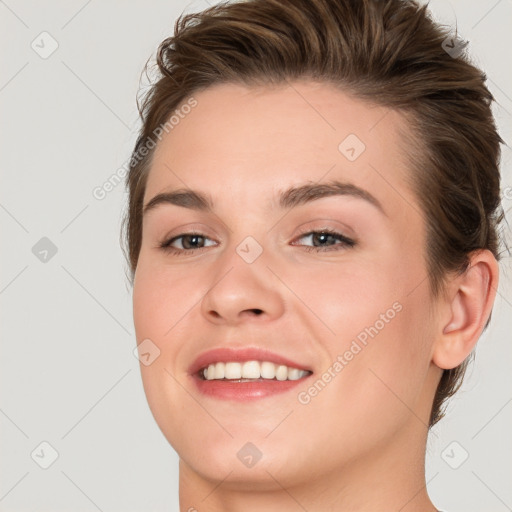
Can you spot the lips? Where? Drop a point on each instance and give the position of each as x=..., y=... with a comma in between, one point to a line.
x=244, y=390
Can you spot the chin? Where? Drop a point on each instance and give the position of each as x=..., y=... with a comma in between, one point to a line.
x=237, y=460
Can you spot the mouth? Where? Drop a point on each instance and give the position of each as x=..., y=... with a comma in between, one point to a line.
x=246, y=374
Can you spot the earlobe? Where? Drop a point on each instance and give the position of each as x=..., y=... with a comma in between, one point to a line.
x=466, y=309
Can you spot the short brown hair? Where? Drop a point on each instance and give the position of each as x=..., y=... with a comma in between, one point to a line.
x=386, y=52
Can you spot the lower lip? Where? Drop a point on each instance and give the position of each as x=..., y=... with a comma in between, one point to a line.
x=243, y=391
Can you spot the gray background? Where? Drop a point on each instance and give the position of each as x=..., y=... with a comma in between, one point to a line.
x=68, y=374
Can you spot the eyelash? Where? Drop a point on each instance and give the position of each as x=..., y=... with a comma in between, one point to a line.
x=344, y=242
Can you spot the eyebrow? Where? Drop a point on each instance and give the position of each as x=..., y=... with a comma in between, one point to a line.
x=290, y=198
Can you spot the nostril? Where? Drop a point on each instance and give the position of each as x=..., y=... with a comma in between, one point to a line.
x=254, y=311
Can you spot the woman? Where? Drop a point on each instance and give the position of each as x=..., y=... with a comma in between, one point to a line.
x=312, y=239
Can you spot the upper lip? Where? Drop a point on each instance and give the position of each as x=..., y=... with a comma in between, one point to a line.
x=225, y=354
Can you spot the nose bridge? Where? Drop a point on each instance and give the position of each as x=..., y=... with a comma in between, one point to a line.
x=242, y=284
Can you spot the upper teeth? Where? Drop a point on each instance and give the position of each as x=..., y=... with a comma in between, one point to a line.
x=252, y=370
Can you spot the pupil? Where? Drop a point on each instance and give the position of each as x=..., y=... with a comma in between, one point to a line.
x=195, y=243
x=321, y=237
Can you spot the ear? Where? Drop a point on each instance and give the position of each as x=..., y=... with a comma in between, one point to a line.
x=465, y=310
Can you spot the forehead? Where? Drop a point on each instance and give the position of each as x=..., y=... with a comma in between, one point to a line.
x=244, y=144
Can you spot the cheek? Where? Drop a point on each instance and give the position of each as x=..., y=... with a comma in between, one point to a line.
x=155, y=312
x=387, y=375
x=343, y=298
x=157, y=299
x=160, y=307
x=373, y=320
x=375, y=385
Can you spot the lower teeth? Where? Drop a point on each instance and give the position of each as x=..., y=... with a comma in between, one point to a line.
x=245, y=380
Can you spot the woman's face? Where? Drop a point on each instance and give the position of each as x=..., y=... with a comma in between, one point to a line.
x=351, y=308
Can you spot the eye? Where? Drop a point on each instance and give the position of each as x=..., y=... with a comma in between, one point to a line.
x=185, y=243
x=326, y=240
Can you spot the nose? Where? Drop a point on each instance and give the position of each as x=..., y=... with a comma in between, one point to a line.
x=242, y=292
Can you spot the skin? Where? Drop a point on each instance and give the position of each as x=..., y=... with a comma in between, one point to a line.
x=359, y=444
